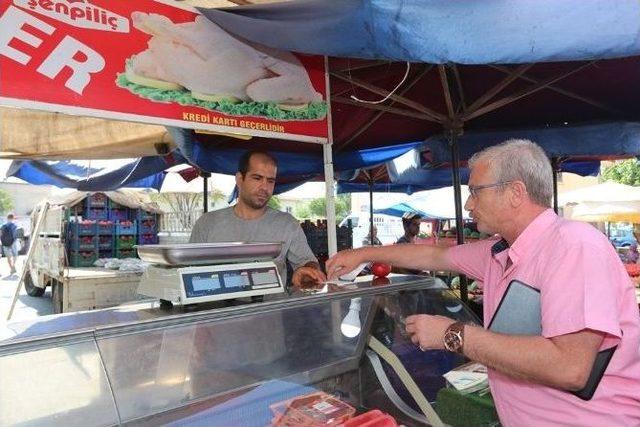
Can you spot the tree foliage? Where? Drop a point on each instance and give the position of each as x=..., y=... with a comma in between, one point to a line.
x=625, y=172
x=302, y=211
x=6, y=202
x=318, y=207
x=187, y=207
x=274, y=203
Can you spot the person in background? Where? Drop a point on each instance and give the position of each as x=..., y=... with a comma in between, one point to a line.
x=587, y=301
x=411, y=224
x=367, y=241
x=9, y=240
x=632, y=255
x=251, y=220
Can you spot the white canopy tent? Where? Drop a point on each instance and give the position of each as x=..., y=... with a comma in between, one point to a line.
x=606, y=202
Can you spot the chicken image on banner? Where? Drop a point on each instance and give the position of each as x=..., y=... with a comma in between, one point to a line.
x=198, y=63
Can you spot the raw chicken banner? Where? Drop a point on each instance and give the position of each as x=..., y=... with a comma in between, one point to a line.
x=158, y=64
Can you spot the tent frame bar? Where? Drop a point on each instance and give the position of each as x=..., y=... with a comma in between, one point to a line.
x=379, y=114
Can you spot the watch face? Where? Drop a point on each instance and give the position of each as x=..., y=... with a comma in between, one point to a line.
x=452, y=341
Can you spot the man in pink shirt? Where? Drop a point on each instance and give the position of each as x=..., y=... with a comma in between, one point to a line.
x=587, y=300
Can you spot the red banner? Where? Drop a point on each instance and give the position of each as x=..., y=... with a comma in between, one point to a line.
x=151, y=62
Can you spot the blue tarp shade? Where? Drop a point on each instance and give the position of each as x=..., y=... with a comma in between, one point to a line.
x=399, y=209
x=293, y=168
x=443, y=31
x=418, y=179
x=226, y=161
x=146, y=172
x=602, y=140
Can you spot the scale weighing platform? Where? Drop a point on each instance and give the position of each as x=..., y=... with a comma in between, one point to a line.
x=203, y=272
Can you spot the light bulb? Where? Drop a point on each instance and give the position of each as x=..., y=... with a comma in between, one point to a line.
x=351, y=325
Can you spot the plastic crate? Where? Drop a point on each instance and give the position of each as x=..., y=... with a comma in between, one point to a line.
x=147, y=226
x=128, y=228
x=97, y=200
x=125, y=242
x=114, y=205
x=82, y=243
x=141, y=215
x=96, y=213
x=105, y=228
x=125, y=253
x=83, y=258
x=148, y=239
x=105, y=243
x=118, y=214
x=106, y=253
x=82, y=229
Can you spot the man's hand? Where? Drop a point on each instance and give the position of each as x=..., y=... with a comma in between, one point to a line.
x=343, y=262
x=307, y=277
x=426, y=331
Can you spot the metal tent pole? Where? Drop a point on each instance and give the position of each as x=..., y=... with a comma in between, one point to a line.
x=332, y=240
x=327, y=154
x=454, y=100
x=555, y=164
x=457, y=191
x=205, y=190
x=370, y=209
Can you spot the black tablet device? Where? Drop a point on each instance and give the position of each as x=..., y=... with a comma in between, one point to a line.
x=519, y=314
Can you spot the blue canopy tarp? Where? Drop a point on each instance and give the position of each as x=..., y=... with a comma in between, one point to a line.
x=434, y=204
x=597, y=140
x=293, y=168
x=566, y=47
x=419, y=179
x=443, y=31
x=145, y=172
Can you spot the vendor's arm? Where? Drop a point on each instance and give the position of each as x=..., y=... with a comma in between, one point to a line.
x=307, y=271
x=308, y=275
x=563, y=362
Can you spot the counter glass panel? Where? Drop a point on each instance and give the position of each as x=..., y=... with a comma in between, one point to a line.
x=64, y=385
x=226, y=366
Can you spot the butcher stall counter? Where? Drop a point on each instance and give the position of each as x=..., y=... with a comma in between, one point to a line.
x=227, y=363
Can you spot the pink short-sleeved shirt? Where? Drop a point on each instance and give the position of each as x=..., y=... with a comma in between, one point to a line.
x=583, y=285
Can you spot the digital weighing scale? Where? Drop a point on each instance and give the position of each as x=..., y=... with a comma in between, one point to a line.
x=203, y=272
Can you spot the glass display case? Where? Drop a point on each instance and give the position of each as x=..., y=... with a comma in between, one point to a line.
x=226, y=366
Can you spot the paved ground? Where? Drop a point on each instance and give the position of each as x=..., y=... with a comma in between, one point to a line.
x=26, y=307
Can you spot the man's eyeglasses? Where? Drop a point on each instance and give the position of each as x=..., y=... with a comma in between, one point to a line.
x=473, y=189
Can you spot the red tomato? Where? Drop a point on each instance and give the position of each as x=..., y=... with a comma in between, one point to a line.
x=380, y=270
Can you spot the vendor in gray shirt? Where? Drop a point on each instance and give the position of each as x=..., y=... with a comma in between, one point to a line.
x=251, y=220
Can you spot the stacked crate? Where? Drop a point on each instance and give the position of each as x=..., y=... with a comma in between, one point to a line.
x=96, y=207
x=106, y=243
x=316, y=234
x=125, y=239
x=82, y=243
x=109, y=230
x=118, y=212
x=147, y=227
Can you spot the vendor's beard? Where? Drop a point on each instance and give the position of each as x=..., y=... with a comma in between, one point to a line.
x=255, y=204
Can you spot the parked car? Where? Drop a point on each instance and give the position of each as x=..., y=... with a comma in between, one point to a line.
x=389, y=227
x=622, y=238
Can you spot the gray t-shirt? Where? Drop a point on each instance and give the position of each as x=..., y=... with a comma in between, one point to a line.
x=274, y=226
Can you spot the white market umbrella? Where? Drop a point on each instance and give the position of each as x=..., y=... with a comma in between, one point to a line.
x=606, y=211
x=437, y=204
x=606, y=192
x=175, y=183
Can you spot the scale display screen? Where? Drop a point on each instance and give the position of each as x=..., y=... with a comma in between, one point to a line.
x=235, y=279
x=210, y=283
x=218, y=282
x=265, y=277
